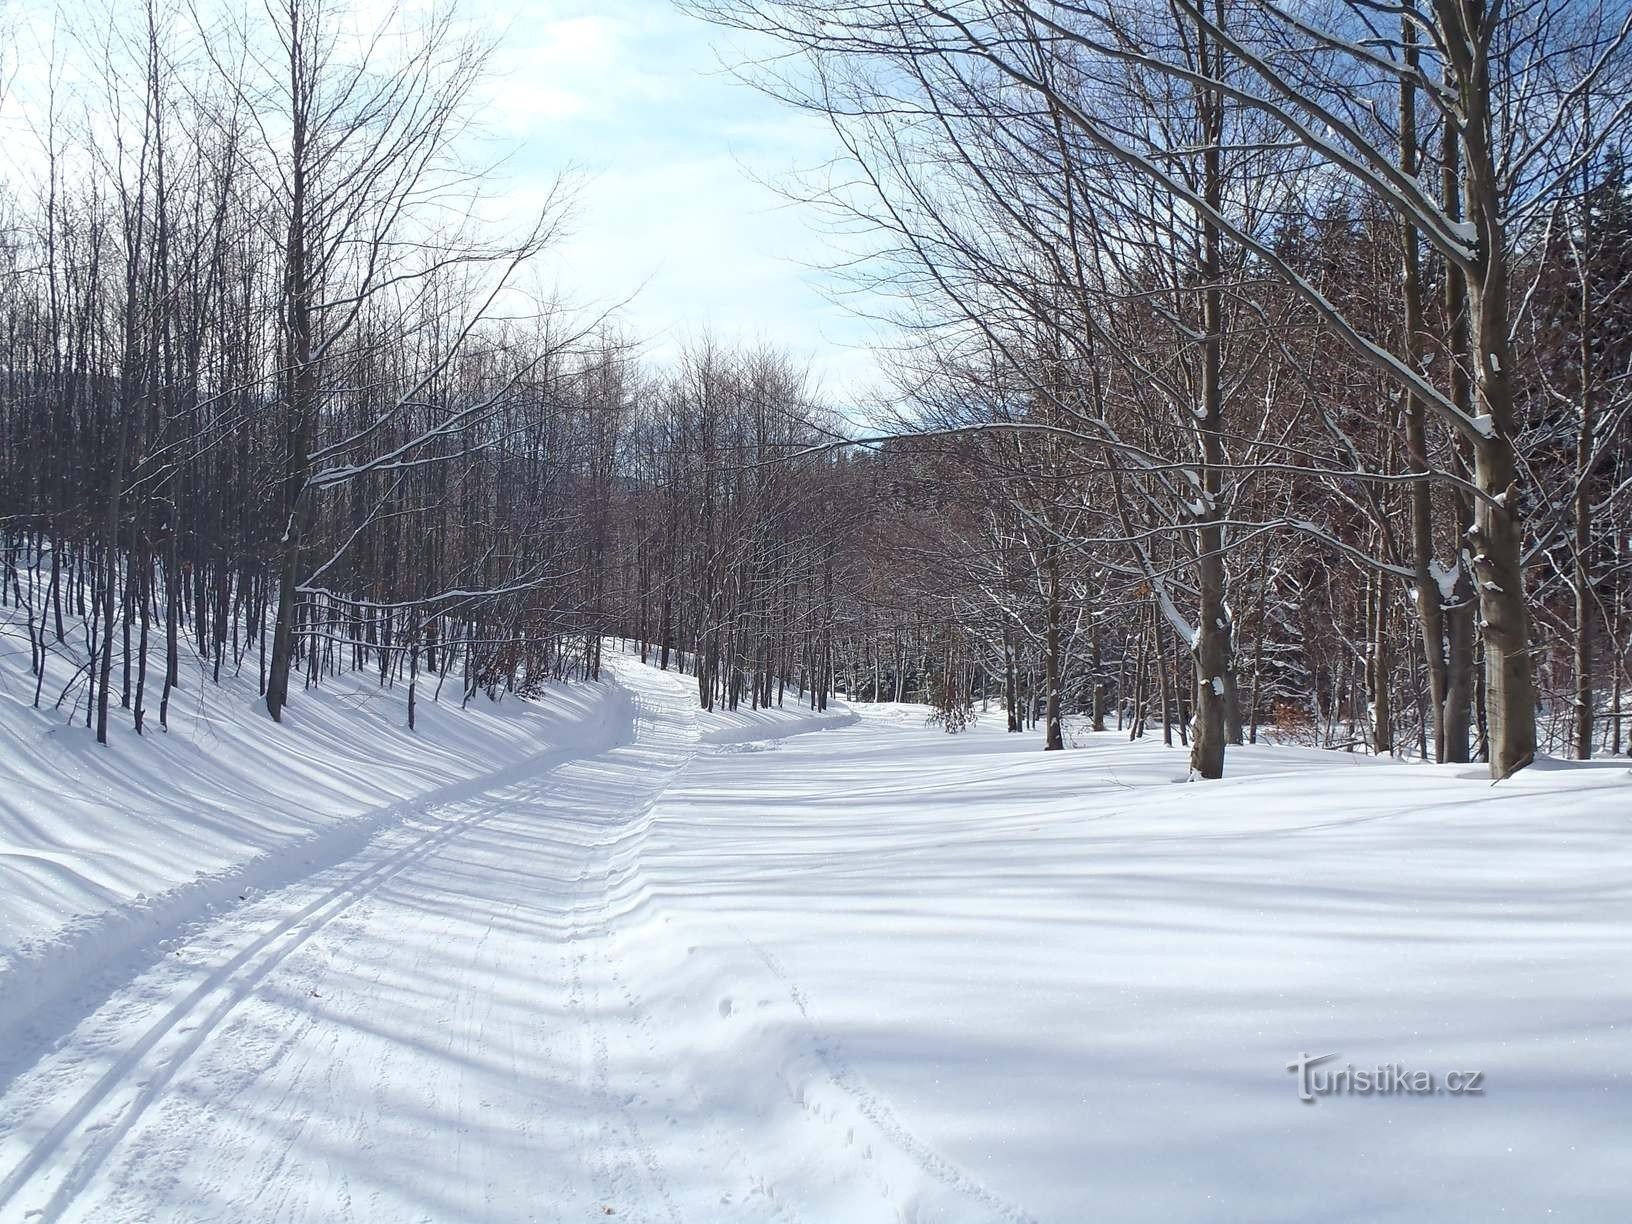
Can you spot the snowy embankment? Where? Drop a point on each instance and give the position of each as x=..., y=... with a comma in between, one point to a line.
x=105, y=850
x=756, y=730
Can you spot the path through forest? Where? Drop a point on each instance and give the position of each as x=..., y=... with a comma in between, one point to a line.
x=853, y=969
x=434, y=1027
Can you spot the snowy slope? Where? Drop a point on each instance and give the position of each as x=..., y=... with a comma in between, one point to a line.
x=103, y=849
x=876, y=973
x=757, y=730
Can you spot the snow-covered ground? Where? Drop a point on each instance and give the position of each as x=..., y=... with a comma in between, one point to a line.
x=782, y=966
x=104, y=849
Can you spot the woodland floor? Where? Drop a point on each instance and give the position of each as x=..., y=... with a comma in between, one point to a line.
x=652, y=964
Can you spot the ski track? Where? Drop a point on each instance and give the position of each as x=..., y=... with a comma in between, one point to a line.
x=171, y=1042
x=192, y=1086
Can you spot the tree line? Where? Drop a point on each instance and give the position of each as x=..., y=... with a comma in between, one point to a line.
x=1257, y=371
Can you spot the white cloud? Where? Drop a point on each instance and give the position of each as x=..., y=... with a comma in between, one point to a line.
x=671, y=147
x=631, y=94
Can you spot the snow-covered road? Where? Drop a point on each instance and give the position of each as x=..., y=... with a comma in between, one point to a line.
x=425, y=1030
x=779, y=967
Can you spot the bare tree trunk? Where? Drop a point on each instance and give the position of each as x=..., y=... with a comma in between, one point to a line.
x=1584, y=441
x=1054, y=731
x=1212, y=645
x=1382, y=712
x=1099, y=681
x=300, y=381
x=1430, y=598
x=1456, y=718
x=111, y=579
x=1498, y=535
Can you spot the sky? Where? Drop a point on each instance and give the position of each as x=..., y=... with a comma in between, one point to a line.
x=675, y=158
x=672, y=155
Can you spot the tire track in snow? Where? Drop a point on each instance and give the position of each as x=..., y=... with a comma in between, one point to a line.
x=721, y=1138
x=626, y=1167
x=635, y=827
x=635, y=1014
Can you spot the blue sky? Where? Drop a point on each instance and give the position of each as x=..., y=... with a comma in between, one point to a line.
x=670, y=145
x=671, y=153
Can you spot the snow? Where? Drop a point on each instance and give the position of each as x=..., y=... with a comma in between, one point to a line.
x=760, y=730
x=103, y=848
x=777, y=965
x=1446, y=578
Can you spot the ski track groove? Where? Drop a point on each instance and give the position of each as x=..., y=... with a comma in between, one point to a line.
x=633, y=834
x=623, y=1167
x=232, y=982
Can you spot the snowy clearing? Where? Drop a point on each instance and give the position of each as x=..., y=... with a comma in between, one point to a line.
x=646, y=963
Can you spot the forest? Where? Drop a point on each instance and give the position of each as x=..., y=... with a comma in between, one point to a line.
x=1254, y=372
x=829, y=611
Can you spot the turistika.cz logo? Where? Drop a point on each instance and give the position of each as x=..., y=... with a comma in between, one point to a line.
x=1316, y=1080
